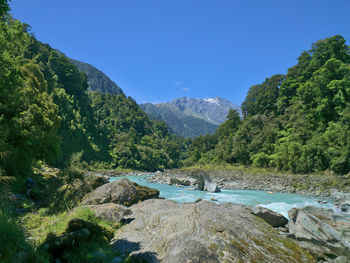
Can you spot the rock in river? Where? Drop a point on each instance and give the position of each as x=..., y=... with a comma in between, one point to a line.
x=273, y=218
x=166, y=231
x=204, y=182
x=183, y=182
x=123, y=192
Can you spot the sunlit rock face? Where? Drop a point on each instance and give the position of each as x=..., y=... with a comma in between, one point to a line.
x=167, y=231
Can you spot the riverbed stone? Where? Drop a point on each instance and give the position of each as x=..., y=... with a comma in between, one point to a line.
x=180, y=181
x=122, y=192
x=167, y=231
x=345, y=206
x=204, y=182
x=341, y=259
x=273, y=218
x=110, y=211
x=321, y=227
x=211, y=186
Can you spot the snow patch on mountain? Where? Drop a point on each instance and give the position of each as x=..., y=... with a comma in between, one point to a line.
x=212, y=100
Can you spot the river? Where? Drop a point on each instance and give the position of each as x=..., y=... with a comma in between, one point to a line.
x=278, y=202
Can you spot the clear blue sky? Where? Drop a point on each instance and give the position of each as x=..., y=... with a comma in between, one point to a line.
x=158, y=50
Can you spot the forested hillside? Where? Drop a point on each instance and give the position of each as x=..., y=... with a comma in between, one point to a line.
x=46, y=114
x=97, y=80
x=134, y=141
x=296, y=122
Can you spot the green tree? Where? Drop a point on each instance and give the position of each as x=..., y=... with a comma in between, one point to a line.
x=262, y=99
x=28, y=116
x=4, y=7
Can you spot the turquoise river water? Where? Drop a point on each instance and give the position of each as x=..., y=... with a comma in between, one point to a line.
x=279, y=202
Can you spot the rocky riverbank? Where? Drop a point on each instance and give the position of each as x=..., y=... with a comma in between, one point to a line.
x=129, y=222
x=166, y=231
x=335, y=187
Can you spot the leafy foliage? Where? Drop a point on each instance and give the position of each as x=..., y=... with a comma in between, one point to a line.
x=13, y=244
x=262, y=98
x=28, y=117
x=297, y=122
x=132, y=140
x=4, y=7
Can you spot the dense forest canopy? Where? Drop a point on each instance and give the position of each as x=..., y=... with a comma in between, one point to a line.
x=296, y=122
x=47, y=114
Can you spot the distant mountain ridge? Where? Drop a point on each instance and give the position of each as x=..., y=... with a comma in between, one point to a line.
x=191, y=117
x=213, y=110
x=178, y=122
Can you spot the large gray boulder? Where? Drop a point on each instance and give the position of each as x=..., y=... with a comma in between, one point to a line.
x=180, y=181
x=345, y=206
x=321, y=227
x=166, y=231
x=272, y=218
x=123, y=192
x=110, y=211
x=204, y=182
x=211, y=186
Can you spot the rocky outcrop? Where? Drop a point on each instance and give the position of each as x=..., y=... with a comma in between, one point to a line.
x=322, y=231
x=123, y=192
x=166, y=231
x=272, y=218
x=211, y=186
x=98, y=181
x=110, y=211
x=73, y=192
x=204, y=182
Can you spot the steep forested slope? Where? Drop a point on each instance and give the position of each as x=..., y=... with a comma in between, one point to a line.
x=133, y=140
x=46, y=114
x=97, y=80
x=298, y=122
